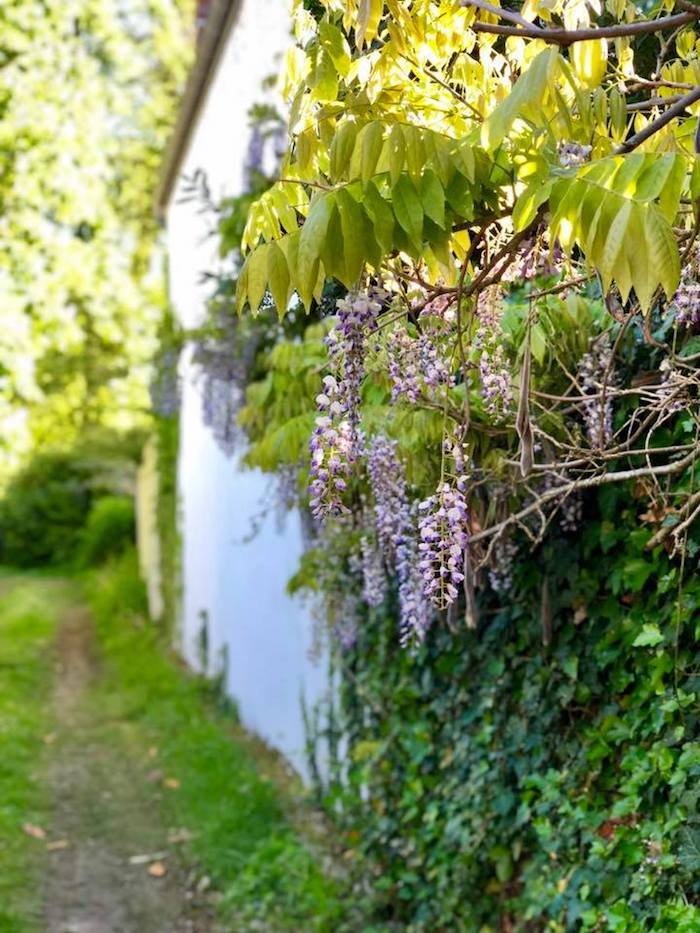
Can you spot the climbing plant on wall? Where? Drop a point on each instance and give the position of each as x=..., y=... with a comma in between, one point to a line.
x=489, y=216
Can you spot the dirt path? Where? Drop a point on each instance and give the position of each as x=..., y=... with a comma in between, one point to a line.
x=106, y=818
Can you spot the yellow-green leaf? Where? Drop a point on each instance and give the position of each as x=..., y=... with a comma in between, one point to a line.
x=371, y=142
x=342, y=148
x=408, y=209
x=432, y=197
x=278, y=277
x=368, y=15
x=257, y=276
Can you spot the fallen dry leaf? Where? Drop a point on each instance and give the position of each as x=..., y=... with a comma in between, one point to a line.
x=172, y=783
x=152, y=752
x=36, y=832
x=157, y=870
x=57, y=845
x=50, y=738
x=147, y=857
x=180, y=835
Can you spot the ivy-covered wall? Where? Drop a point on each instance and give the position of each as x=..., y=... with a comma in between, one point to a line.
x=542, y=773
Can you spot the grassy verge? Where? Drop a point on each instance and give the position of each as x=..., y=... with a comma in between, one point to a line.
x=28, y=618
x=216, y=785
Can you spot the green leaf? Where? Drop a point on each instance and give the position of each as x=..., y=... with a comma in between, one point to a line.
x=648, y=637
x=324, y=81
x=432, y=197
x=528, y=90
x=538, y=343
x=529, y=202
x=372, y=140
x=335, y=44
x=342, y=148
x=408, y=209
x=279, y=278
x=397, y=152
x=354, y=244
x=313, y=234
x=368, y=15
x=257, y=276
x=381, y=216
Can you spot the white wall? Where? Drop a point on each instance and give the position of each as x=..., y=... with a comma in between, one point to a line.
x=240, y=587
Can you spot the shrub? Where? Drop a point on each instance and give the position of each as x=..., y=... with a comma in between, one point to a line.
x=44, y=508
x=109, y=530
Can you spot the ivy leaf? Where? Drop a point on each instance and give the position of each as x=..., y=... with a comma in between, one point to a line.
x=408, y=209
x=648, y=637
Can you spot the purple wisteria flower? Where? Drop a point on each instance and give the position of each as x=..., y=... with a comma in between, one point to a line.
x=595, y=367
x=165, y=389
x=347, y=346
x=374, y=587
x=443, y=541
x=496, y=389
x=395, y=525
x=505, y=550
x=686, y=301
x=332, y=447
x=336, y=442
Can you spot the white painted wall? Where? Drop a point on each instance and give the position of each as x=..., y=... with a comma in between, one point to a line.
x=240, y=587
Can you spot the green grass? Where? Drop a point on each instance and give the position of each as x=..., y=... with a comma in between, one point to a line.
x=28, y=615
x=270, y=877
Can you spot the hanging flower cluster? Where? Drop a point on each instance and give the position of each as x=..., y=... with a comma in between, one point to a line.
x=686, y=301
x=332, y=447
x=595, y=370
x=374, y=578
x=417, y=366
x=505, y=550
x=336, y=441
x=224, y=360
x=443, y=541
x=396, y=533
x=165, y=389
x=494, y=372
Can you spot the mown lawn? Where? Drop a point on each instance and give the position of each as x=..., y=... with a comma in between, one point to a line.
x=29, y=607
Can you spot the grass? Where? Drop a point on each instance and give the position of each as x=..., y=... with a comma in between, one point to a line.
x=220, y=788
x=28, y=615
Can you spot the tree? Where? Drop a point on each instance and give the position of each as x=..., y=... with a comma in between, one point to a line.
x=89, y=93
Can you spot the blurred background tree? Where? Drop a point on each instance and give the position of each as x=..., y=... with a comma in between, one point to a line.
x=88, y=95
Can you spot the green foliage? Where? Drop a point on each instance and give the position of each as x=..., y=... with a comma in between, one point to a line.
x=88, y=99
x=43, y=511
x=497, y=779
x=46, y=504
x=27, y=621
x=241, y=837
x=109, y=530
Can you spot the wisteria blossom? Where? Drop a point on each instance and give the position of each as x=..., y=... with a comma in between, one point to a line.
x=443, y=541
x=374, y=578
x=395, y=525
x=594, y=369
x=503, y=555
x=332, y=448
x=494, y=371
x=686, y=301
